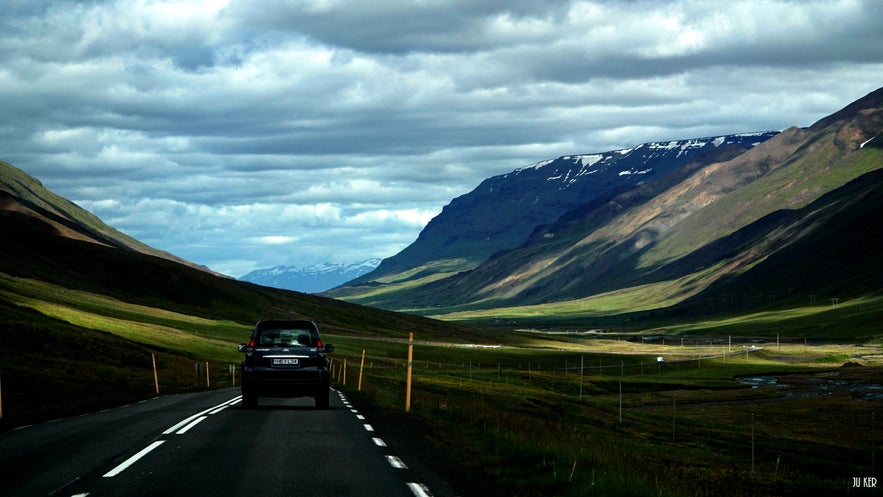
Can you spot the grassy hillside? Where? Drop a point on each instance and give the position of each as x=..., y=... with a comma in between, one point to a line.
x=23, y=194
x=82, y=320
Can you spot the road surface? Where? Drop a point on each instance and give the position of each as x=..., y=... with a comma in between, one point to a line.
x=205, y=444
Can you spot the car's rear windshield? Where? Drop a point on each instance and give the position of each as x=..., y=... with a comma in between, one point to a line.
x=282, y=337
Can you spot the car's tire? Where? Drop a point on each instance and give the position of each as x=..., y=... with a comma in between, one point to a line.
x=322, y=398
x=249, y=399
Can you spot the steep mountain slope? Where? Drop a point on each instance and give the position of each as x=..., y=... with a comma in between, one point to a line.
x=310, y=279
x=25, y=195
x=698, y=224
x=503, y=210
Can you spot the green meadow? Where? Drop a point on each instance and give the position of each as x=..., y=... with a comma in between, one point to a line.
x=606, y=417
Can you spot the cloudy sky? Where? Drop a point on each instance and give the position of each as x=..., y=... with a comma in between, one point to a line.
x=246, y=134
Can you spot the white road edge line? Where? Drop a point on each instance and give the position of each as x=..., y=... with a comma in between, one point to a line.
x=379, y=442
x=368, y=427
x=419, y=489
x=132, y=460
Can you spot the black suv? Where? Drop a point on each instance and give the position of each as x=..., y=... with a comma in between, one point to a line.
x=285, y=358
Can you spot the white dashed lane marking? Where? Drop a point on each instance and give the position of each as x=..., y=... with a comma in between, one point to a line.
x=418, y=489
x=395, y=462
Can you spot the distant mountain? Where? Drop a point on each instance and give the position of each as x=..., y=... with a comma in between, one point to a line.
x=310, y=279
x=706, y=223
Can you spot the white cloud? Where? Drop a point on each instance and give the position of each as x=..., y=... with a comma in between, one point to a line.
x=241, y=134
x=275, y=240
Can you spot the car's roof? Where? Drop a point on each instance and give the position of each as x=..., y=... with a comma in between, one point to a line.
x=285, y=323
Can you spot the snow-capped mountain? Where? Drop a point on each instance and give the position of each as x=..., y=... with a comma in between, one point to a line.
x=310, y=279
x=502, y=211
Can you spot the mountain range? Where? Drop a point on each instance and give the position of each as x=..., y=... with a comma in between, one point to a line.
x=734, y=221
x=756, y=218
x=310, y=279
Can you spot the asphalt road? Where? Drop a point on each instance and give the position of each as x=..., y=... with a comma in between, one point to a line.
x=205, y=444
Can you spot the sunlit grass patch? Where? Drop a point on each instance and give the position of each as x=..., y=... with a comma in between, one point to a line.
x=200, y=337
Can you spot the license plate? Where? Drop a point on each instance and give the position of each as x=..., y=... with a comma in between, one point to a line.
x=285, y=362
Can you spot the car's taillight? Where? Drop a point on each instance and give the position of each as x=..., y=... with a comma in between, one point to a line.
x=319, y=344
x=251, y=343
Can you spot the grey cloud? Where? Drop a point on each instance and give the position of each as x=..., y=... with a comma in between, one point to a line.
x=359, y=117
x=392, y=27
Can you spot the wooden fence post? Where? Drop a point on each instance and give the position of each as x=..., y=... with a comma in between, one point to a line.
x=361, y=368
x=408, y=381
x=155, y=377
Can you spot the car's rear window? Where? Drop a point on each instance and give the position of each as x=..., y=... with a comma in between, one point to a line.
x=291, y=337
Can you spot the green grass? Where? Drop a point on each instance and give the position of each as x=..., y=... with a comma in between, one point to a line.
x=515, y=416
x=631, y=309
x=74, y=350
x=396, y=286
x=518, y=411
x=52, y=368
x=628, y=300
x=200, y=337
x=855, y=319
